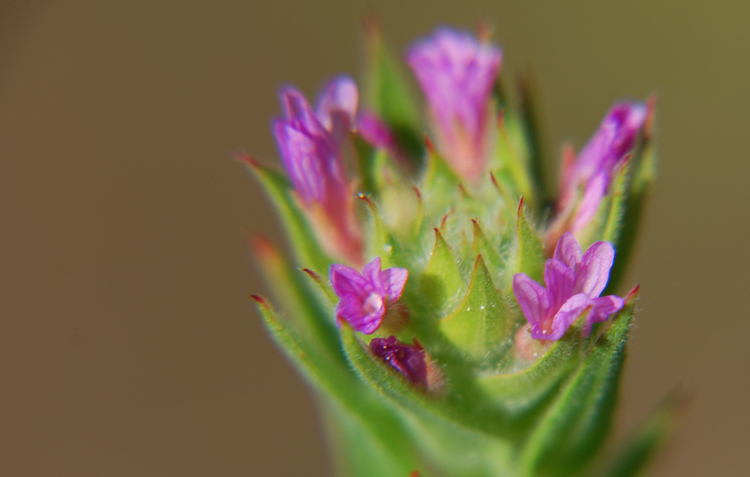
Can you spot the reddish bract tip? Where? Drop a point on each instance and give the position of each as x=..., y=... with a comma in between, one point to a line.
x=415, y=473
x=430, y=146
x=419, y=194
x=247, y=160
x=312, y=274
x=501, y=118
x=261, y=301
x=520, y=210
x=633, y=294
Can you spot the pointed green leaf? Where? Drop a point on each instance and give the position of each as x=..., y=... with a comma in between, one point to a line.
x=575, y=426
x=380, y=243
x=300, y=232
x=533, y=133
x=489, y=251
x=530, y=248
x=642, y=447
x=441, y=281
x=511, y=162
x=643, y=167
x=482, y=322
x=388, y=93
x=521, y=391
x=323, y=285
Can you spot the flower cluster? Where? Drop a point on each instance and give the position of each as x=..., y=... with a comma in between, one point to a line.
x=459, y=287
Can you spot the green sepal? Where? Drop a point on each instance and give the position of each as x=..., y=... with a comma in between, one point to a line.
x=575, y=426
x=441, y=281
x=607, y=223
x=482, y=246
x=482, y=322
x=511, y=161
x=379, y=243
x=529, y=109
x=643, y=169
x=301, y=234
x=530, y=248
x=389, y=95
x=639, y=449
x=323, y=285
x=440, y=186
x=522, y=391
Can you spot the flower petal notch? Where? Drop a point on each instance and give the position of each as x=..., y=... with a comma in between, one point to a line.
x=457, y=73
x=365, y=297
x=310, y=146
x=573, y=282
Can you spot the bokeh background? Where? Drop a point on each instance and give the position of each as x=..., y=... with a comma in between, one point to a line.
x=128, y=343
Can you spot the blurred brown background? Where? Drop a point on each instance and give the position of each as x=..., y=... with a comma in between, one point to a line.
x=128, y=345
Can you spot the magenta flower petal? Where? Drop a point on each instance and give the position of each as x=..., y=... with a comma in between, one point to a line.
x=337, y=106
x=365, y=296
x=568, y=251
x=377, y=133
x=565, y=316
x=298, y=153
x=457, y=73
x=594, y=192
x=394, y=280
x=348, y=281
x=408, y=360
x=532, y=297
x=560, y=281
x=574, y=283
x=601, y=309
x=595, y=266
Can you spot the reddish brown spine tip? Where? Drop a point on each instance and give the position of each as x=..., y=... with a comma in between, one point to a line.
x=419, y=194
x=501, y=118
x=261, y=246
x=415, y=473
x=633, y=294
x=366, y=198
x=417, y=344
x=261, y=301
x=311, y=273
x=247, y=160
x=444, y=221
x=428, y=143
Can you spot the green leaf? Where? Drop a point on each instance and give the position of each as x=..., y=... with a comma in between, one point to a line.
x=388, y=93
x=512, y=162
x=441, y=281
x=607, y=223
x=331, y=375
x=490, y=252
x=574, y=428
x=523, y=390
x=634, y=455
x=482, y=322
x=300, y=232
x=380, y=241
x=643, y=167
x=532, y=129
x=530, y=252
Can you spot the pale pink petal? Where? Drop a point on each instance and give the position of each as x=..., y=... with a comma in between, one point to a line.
x=568, y=251
x=601, y=309
x=560, y=281
x=350, y=309
x=532, y=297
x=593, y=194
x=394, y=280
x=347, y=281
x=337, y=106
x=595, y=266
x=566, y=316
x=371, y=273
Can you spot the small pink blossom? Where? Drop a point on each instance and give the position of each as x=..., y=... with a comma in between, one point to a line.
x=573, y=282
x=365, y=297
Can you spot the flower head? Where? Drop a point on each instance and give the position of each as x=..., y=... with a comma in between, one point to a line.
x=408, y=360
x=573, y=282
x=310, y=145
x=457, y=73
x=595, y=167
x=365, y=297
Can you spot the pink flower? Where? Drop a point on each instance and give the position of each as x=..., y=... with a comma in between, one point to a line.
x=595, y=167
x=574, y=283
x=310, y=145
x=365, y=297
x=457, y=74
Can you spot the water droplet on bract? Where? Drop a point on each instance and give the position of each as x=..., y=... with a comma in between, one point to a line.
x=481, y=307
x=468, y=309
x=387, y=247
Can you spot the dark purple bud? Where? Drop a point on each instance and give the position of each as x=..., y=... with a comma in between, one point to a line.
x=406, y=359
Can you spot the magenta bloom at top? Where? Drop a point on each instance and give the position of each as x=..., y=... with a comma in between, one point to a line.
x=457, y=73
x=365, y=297
x=596, y=164
x=310, y=144
x=574, y=282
